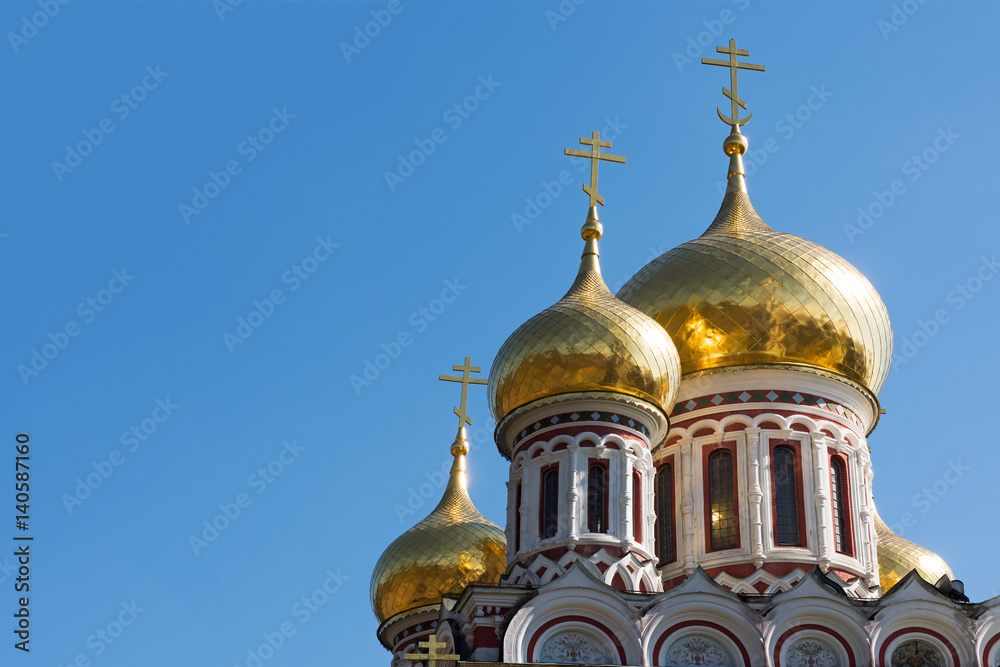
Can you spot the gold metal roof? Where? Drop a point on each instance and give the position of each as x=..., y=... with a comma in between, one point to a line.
x=744, y=294
x=897, y=556
x=453, y=547
x=587, y=341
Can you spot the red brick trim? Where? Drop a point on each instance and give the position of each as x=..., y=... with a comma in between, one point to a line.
x=800, y=512
x=603, y=463
x=921, y=631
x=799, y=628
x=708, y=624
x=530, y=656
x=845, y=492
x=667, y=461
x=989, y=647
x=706, y=452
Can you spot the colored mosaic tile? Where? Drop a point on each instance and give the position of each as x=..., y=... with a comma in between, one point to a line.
x=576, y=417
x=760, y=396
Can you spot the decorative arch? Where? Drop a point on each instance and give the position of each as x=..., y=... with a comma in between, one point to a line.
x=706, y=637
x=944, y=648
x=588, y=638
x=828, y=648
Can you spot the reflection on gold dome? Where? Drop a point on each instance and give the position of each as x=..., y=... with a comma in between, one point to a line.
x=897, y=556
x=455, y=546
x=588, y=341
x=744, y=294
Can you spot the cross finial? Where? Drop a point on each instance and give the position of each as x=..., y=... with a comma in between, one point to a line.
x=466, y=380
x=594, y=154
x=733, y=94
x=432, y=645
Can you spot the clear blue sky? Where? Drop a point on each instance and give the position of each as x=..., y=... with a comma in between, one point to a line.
x=299, y=140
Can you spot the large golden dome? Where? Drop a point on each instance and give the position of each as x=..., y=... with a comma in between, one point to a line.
x=897, y=557
x=587, y=341
x=455, y=546
x=743, y=294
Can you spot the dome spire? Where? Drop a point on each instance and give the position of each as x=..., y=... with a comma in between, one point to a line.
x=735, y=145
x=592, y=228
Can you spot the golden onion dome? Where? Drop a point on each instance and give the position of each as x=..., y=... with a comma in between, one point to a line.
x=455, y=546
x=587, y=341
x=743, y=294
x=897, y=557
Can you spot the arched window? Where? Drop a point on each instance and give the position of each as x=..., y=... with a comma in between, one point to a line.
x=916, y=653
x=722, y=499
x=597, y=499
x=637, y=519
x=786, y=502
x=838, y=498
x=550, y=502
x=665, y=543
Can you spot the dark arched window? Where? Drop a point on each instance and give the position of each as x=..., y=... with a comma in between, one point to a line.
x=838, y=498
x=550, y=502
x=597, y=499
x=665, y=542
x=722, y=499
x=786, y=503
x=637, y=519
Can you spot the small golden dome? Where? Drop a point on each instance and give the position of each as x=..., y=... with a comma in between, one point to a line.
x=744, y=294
x=587, y=341
x=897, y=556
x=455, y=546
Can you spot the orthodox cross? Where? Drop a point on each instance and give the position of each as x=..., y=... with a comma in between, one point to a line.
x=733, y=94
x=594, y=154
x=466, y=380
x=432, y=645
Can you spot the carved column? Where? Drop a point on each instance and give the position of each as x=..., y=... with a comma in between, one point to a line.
x=687, y=504
x=573, y=492
x=755, y=496
x=821, y=497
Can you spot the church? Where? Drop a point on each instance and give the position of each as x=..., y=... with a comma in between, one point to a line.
x=690, y=475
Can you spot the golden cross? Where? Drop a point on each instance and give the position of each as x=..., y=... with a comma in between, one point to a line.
x=596, y=144
x=466, y=380
x=733, y=94
x=432, y=645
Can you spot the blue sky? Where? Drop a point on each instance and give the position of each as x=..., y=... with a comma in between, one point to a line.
x=219, y=163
